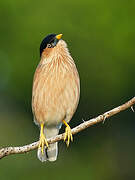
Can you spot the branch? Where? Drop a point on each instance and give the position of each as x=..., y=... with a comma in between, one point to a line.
x=23, y=149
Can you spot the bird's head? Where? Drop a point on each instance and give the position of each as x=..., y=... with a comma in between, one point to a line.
x=49, y=41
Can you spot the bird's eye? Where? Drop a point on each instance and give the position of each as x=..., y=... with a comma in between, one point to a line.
x=49, y=45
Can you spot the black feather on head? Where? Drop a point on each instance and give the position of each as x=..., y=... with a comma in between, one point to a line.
x=47, y=40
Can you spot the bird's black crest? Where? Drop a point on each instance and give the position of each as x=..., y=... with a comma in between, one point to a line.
x=46, y=41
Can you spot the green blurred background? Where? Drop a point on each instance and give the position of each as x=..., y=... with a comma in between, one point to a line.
x=101, y=38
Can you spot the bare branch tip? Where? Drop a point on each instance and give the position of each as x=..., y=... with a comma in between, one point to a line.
x=104, y=118
x=132, y=108
x=83, y=120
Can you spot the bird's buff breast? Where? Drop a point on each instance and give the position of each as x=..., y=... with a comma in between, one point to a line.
x=55, y=93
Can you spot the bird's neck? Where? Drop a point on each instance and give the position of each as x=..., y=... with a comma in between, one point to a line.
x=58, y=54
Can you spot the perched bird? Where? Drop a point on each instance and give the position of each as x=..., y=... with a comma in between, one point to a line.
x=55, y=94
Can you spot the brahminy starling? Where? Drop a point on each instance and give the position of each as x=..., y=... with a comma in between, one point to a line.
x=55, y=94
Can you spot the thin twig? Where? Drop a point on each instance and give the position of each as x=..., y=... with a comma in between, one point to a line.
x=23, y=149
x=132, y=108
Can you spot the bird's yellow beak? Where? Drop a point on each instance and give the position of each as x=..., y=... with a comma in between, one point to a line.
x=58, y=36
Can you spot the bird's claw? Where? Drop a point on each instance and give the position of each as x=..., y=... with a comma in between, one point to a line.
x=68, y=135
x=42, y=143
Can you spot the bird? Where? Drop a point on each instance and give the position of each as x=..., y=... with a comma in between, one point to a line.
x=55, y=94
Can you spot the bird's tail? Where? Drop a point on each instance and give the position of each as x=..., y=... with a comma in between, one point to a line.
x=51, y=152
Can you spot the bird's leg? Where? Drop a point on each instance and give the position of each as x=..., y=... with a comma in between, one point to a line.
x=68, y=134
x=42, y=140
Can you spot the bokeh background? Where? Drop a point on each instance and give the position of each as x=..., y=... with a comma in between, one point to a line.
x=101, y=38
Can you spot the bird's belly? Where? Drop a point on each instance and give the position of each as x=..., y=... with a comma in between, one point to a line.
x=51, y=117
x=55, y=109
x=55, y=99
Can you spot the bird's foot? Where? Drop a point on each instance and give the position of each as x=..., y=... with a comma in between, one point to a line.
x=68, y=134
x=42, y=143
x=42, y=140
